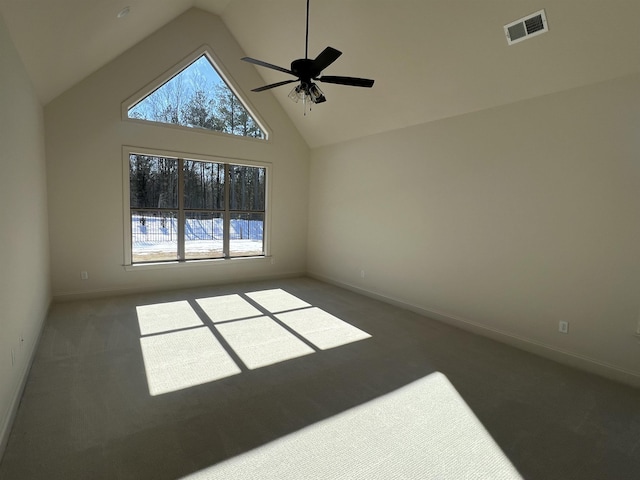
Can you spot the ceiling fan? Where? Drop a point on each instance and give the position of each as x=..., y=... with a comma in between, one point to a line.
x=307, y=71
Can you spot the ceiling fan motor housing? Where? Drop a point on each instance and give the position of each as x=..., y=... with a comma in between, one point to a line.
x=304, y=69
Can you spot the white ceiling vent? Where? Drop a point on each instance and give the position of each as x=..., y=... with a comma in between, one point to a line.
x=526, y=27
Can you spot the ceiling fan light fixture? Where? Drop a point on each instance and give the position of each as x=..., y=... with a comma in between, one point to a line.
x=297, y=94
x=124, y=12
x=317, y=96
x=307, y=92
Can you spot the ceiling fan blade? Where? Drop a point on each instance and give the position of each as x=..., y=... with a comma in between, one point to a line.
x=272, y=85
x=265, y=64
x=352, y=81
x=326, y=58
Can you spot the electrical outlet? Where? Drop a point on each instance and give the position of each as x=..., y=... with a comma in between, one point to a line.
x=362, y=273
x=84, y=275
x=563, y=327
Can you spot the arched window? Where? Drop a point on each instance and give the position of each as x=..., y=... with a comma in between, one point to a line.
x=197, y=96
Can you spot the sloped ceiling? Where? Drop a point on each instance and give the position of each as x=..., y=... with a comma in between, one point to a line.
x=431, y=59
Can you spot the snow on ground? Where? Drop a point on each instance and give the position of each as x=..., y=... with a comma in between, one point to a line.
x=153, y=241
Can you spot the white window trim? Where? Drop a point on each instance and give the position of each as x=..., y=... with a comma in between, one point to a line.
x=226, y=77
x=126, y=211
x=136, y=267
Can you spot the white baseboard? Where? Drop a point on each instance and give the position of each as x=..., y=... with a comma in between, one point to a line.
x=565, y=357
x=7, y=424
x=61, y=297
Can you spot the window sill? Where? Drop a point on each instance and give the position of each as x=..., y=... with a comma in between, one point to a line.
x=198, y=263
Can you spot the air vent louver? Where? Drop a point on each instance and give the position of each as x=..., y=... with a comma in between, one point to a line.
x=526, y=27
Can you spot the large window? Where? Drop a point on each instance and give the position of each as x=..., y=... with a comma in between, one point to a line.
x=185, y=209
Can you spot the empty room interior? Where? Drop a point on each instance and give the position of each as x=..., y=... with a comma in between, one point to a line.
x=292, y=239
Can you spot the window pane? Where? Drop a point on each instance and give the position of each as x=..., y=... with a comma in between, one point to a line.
x=203, y=235
x=203, y=185
x=247, y=187
x=154, y=235
x=211, y=192
x=197, y=97
x=246, y=235
x=153, y=182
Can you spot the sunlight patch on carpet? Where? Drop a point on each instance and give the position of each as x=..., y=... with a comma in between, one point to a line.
x=182, y=359
x=188, y=343
x=423, y=430
x=227, y=307
x=321, y=328
x=261, y=341
x=166, y=317
x=277, y=300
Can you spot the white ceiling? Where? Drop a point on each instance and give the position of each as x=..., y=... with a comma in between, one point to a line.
x=431, y=59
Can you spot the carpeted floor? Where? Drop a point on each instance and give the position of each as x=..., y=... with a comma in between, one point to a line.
x=297, y=379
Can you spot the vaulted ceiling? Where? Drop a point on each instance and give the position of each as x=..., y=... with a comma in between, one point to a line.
x=431, y=59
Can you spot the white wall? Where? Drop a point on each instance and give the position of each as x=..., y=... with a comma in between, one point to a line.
x=505, y=221
x=24, y=250
x=84, y=138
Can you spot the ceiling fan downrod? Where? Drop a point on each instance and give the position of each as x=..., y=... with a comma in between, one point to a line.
x=306, y=38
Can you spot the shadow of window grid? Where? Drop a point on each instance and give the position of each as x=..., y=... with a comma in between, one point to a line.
x=250, y=331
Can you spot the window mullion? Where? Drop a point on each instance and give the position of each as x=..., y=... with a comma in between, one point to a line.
x=181, y=215
x=226, y=233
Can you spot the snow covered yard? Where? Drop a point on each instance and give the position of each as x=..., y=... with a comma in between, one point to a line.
x=155, y=238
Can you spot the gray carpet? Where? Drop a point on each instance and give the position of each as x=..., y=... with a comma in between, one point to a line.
x=297, y=379
x=422, y=430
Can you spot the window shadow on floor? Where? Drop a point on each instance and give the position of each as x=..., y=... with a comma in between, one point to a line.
x=90, y=411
